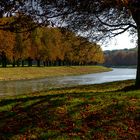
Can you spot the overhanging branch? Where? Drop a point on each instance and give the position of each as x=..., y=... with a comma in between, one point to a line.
x=124, y=30
x=117, y=25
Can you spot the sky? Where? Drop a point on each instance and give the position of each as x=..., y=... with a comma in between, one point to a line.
x=120, y=42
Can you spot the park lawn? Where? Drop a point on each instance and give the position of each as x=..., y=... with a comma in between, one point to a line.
x=109, y=111
x=42, y=72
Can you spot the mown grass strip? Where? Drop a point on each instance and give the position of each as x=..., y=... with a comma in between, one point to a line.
x=41, y=72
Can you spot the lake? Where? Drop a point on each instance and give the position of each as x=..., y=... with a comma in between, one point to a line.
x=28, y=86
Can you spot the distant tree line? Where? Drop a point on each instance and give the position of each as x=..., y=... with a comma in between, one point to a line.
x=126, y=57
x=47, y=46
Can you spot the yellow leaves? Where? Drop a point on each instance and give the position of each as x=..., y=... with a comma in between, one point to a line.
x=7, y=40
x=61, y=110
x=125, y=2
x=5, y=20
x=50, y=44
x=121, y=3
x=59, y=45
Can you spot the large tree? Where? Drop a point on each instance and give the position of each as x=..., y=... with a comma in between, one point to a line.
x=100, y=18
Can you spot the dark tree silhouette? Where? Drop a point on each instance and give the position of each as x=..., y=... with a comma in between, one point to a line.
x=100, y=18
x=25, y=15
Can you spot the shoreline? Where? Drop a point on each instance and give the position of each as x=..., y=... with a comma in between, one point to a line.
x=29, y=73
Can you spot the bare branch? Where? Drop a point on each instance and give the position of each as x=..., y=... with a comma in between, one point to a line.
x=116, y=25
x=118, y=33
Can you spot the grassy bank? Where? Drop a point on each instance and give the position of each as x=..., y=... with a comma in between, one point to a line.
x=41, y=72
x=100, y=112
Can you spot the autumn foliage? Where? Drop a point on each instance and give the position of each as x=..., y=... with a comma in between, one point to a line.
x=49, y=47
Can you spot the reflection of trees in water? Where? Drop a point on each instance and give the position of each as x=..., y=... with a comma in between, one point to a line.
x=29, y=86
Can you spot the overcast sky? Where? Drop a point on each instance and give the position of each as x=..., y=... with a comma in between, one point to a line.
x=120, y=42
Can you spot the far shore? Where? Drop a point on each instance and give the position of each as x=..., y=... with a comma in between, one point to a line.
x=7, y=74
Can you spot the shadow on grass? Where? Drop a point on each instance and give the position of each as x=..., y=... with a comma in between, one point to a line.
x=117, y=121
x=69, y=116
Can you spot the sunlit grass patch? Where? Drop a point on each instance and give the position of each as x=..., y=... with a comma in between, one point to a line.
x=41, y=72
x=7, y=107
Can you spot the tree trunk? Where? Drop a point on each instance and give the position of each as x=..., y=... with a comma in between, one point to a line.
x=4, y=59
x=44, y=63
x=22, y=62
x=14, y=63
x=137, y=83
x=59, y=62
x=29, y=62
x=18, y=62
x=38, y=62
x=136, y=18
x=47, y=63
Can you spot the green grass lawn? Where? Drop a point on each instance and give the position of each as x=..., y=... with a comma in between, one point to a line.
x=108, y=111
x=41, y=72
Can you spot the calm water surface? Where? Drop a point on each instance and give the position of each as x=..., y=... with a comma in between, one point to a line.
x=28, y=86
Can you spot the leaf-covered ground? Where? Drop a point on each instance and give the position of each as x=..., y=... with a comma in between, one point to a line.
x=96, y=112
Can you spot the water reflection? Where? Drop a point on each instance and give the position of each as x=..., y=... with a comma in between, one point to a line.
x=27, y=86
